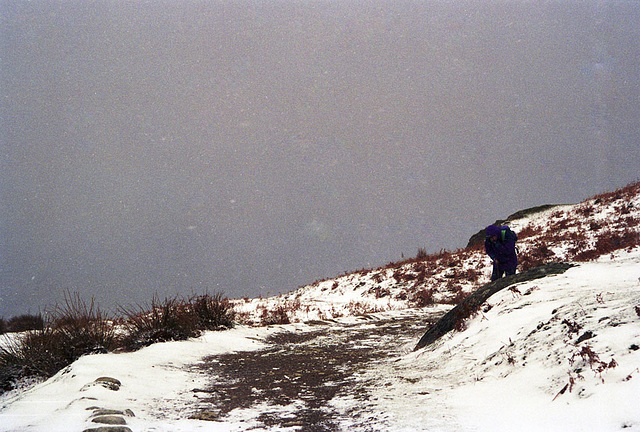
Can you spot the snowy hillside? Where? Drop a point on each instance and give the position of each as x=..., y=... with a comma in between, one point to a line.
x=555, y=354
x=579, y=232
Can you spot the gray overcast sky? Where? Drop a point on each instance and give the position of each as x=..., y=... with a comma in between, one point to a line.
x=251, y=147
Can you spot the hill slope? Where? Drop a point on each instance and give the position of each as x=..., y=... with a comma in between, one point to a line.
x=556, y=354
x=581, y=232
x=560, y=353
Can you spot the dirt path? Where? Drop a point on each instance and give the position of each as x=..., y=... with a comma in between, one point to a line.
x=305, y=370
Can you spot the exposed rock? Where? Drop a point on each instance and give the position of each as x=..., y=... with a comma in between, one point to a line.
x=206, y=415
x=473, y=302
x=102, y=412
x=109, y=429
x=586, y=335
x=106, y=382
x=478, y=238
x=109, y=419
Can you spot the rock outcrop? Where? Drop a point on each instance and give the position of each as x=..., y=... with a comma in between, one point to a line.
x=106, y=419
x=471, y=304
x=478, y=238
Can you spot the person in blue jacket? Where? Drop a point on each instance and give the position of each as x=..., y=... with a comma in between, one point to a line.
x=500, y=245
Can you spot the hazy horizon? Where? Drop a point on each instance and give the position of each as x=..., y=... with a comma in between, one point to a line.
x=250, y=147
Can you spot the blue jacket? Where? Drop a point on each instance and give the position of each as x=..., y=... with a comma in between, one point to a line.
x=503, y=250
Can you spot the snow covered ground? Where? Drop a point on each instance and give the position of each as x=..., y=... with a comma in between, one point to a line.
x=505, y=372
x=154, y=382
x=555, y=354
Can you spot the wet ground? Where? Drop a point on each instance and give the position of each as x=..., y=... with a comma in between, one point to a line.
x=305, y=370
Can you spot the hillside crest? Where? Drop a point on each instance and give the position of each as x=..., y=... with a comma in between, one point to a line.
x=599, y=226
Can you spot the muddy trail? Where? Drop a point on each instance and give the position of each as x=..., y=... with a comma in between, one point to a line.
x=291, y=383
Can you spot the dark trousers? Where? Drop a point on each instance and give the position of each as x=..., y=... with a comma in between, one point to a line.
x=498, y=271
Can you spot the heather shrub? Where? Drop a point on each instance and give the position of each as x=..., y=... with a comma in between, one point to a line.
x=529, y=231
x=464, y=312
x=78, y=328
x=84, y=326
x=212, y=312
x=561, y=224
x=591, y=358
x=457, y=295
x=558, y=214
x=281, y=313
x=595, y=225
x=585, y=255
x=608, y=242
x=379, y=292
x=400, y=275
x=378, y=277
x=175, y=319
x=423, y=297
x=539, y=253
x=585, y=210
x=33, y=354
x=402, y=295
x=75, y=329
x=22, y=323
x=630, y=222
x=612, y=241
x=435, y=259
x=627, y=192
x=166, y=320
x=422, y=254
x=278, y=315
x=472, y=275
x=361, y=308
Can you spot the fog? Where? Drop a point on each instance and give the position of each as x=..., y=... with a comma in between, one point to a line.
x=249, y=147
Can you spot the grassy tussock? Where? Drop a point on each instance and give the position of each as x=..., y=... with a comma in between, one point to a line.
x=175, y=319
x=21, y=323
x=79, y=328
